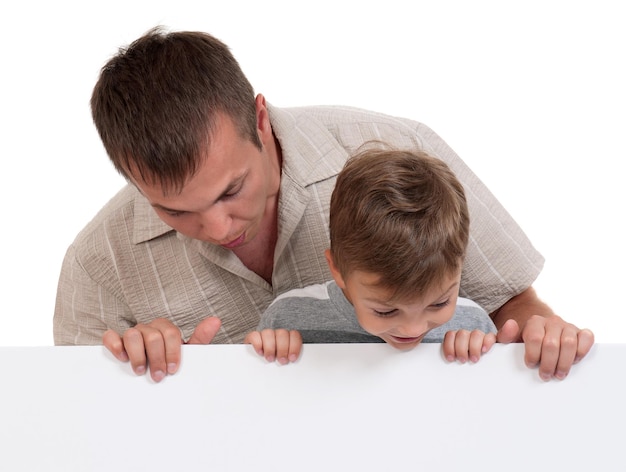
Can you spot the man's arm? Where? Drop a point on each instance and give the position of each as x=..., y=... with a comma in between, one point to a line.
x=551, y=343
x=84, y=309
x=520, y=308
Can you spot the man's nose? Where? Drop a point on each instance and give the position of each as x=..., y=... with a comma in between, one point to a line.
x=215, y=226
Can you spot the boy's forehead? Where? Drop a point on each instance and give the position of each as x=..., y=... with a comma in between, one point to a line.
x=375, y=290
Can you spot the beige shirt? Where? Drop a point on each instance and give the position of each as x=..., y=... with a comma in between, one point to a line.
x=128, y=267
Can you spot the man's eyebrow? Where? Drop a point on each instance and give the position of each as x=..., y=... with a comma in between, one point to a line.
x=229, y=188
x=164, y=208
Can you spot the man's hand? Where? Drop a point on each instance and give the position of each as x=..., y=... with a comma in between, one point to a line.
x=278, y=345
x=156, y=344
x=550, y=343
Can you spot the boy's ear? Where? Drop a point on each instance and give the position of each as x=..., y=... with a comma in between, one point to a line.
x=333, y=269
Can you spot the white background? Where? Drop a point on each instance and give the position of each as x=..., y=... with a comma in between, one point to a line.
x=531, y=94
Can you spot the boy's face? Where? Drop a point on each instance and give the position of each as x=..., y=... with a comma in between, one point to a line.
x=402, y=324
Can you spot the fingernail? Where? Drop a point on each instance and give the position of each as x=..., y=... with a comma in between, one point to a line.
x=282, y=360
x=171, y=368
x=474, y=359
x=293, y=358
x=450, y=358
x=140, y=370
x=560, y=374
x=270, y=358
x=545, y=377
x=158, y=375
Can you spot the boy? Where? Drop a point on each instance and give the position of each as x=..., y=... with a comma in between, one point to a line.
x=399, y=227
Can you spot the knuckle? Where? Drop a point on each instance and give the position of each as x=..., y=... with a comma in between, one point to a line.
x=535, y=338
x=569, y=342
x=132, y=334
x=551, y=344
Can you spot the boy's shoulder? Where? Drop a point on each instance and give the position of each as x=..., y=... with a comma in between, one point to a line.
x=315, y=291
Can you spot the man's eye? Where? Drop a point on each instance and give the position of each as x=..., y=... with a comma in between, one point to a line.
x=173, y=213
x=233, y=193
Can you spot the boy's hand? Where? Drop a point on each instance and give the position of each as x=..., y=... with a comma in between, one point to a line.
x=156, y=344
x=464, y=345
x=550, y=343
x=276, y=344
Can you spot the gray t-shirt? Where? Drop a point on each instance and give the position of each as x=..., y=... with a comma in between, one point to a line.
x=322, y=314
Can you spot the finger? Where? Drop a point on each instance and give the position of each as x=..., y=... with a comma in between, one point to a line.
x=282, y=346
x=113, y=342
x=269, y=344
x=172, y=342
x=488, y=342
x=205, y=331
x=448, y=346
x=567, y=351
x=461, y=345
x=154, y=345
x=550, y=350
x=135, y=349
x=585, y=342
x=295, y=345
x=509, y=333
x=254, y=338
x=476, y=339
x=533, y=336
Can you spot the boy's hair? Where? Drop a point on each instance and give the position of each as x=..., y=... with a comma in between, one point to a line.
x=401, y=215
x=155, y=104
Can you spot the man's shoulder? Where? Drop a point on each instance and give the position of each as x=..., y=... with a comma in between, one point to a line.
x=349, y=127
x=342, y=114
x=125, y=219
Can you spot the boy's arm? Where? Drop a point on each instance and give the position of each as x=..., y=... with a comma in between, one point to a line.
x=550, y=342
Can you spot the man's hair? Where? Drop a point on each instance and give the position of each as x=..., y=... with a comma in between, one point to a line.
x=401, y=215
x=155, y=104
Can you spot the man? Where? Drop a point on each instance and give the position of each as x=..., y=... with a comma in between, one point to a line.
x=227, y=208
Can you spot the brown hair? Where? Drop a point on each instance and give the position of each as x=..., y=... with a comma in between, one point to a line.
x=401, y=215
x=156, y=101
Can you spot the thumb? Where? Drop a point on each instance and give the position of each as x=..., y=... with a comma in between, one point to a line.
x=205, y=331
x=509, y=333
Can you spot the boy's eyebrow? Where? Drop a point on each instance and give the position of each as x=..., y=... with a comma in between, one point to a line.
x=456, y=282
x=377, y=300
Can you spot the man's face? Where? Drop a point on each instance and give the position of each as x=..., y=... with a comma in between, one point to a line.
x=226, y=201
x=401, y=324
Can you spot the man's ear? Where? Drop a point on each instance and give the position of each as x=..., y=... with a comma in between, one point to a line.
x=263, y=125
x=333, y=269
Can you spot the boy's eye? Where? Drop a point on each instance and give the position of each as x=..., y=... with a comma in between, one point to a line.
x=384, y=314
x=441, y=304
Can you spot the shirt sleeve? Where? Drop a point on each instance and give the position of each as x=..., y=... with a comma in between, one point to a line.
x=84, y=310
